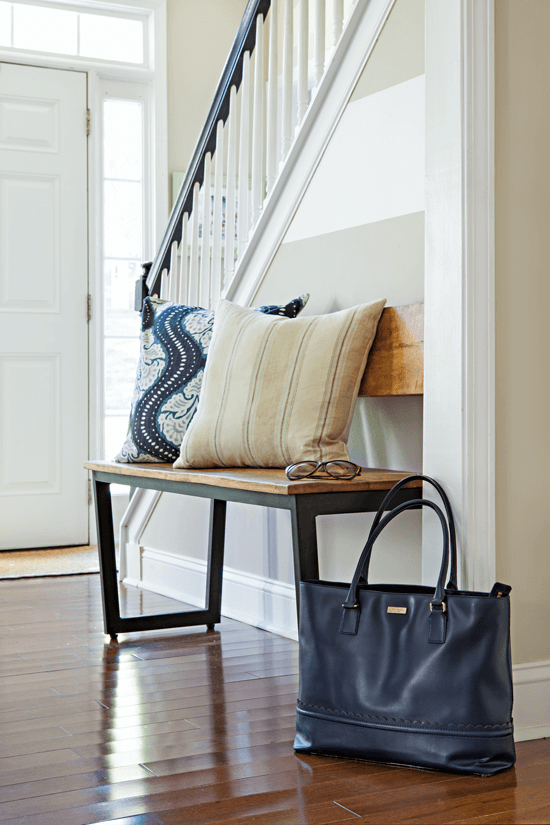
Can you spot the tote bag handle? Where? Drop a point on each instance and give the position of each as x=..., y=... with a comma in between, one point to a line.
x=437, y=603
x=451, y=584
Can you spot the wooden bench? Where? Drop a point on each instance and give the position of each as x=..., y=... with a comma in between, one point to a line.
x=395, y=367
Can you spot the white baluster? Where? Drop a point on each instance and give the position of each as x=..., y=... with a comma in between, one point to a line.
x=164, y=287
x=303, y=36
x=319, y=40
x=244, y=144
x=194, y=263
x=273, y=71
x=288, y=63
x=216, y=271
x=229, y=254
x=258, y=123
x=183, y=295
x=337, y=20
x=204, y=281
x=174, y=274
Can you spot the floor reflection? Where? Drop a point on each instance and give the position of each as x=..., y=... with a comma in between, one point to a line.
x=163, y=699
x=134, y=601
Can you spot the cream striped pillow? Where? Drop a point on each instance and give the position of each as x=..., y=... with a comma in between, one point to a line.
x=279, y=390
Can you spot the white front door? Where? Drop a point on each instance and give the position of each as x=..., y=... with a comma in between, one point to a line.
x=43, y=291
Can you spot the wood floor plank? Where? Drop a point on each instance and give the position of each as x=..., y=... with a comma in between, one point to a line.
x=105, y=719
x=327, y=813
x=72, y=782
x=54, y=770
x=539, y=815
x=150, y=785
x=455, y=797
x=180, y=732
x=9, y=763
x=202, y=744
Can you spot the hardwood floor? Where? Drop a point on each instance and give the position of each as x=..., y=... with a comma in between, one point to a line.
x=195, y=727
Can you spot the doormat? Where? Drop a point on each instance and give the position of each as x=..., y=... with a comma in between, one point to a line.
x=49, y=561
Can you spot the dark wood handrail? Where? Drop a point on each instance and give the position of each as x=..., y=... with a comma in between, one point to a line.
x=219, y=110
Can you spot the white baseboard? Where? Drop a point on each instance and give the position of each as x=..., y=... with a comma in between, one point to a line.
x=270, y=605
x=531, y=701
x=254, y=600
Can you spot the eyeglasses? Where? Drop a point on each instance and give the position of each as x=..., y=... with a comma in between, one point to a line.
x=335, y=469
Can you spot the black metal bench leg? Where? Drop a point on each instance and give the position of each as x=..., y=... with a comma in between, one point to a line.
x=107, y=557
x=216, y=546
x=304, y=544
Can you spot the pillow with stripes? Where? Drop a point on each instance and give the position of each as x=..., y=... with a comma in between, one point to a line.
x=173, y=351
x=275, y=391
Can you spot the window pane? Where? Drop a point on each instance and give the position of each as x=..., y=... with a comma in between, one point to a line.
x=5, y=24
x=111, y=38
x=116, y=427
x=120, y=280
x=48, y=30
x=121, y=358
x=123, y=196
x=122, y=139
x=122, y=219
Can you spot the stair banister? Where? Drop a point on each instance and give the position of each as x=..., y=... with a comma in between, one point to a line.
x=231, y=76
x=268, y=110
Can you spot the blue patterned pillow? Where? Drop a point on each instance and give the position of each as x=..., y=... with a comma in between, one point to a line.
x=174, y=345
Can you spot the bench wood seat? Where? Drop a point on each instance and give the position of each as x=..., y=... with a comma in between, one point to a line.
x=255, y=480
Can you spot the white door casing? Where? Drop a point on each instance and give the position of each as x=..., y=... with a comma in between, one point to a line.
x=43, y=291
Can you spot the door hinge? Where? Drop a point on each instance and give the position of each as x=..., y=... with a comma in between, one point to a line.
x=89, y=491
x=88, y=307
x=88, y=122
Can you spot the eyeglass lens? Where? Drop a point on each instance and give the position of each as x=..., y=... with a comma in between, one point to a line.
x=341, y=469
x=302, y=469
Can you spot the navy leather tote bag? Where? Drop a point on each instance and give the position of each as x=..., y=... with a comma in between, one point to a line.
x=404, y=674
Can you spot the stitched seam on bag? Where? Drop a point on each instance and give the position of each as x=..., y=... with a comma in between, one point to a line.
x=466, y=735
x=436, y=725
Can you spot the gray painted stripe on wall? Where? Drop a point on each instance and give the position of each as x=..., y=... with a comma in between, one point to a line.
x=351, y=266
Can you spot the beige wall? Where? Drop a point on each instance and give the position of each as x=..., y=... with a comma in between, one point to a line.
x=200, y=35
x=522, y=313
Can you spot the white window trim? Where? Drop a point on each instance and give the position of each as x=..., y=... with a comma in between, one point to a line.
x=155, y=76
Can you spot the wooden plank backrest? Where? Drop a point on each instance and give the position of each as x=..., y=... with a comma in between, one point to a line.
x=395, y=364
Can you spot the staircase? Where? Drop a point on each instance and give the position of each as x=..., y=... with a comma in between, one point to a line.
x=284, y=62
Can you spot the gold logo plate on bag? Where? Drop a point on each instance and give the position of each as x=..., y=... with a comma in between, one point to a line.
x=397, y=609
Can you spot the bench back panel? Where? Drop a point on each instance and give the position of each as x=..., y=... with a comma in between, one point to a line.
x=396, y=361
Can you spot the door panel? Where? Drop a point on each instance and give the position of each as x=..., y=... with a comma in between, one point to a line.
x=29, y=200
x=25, y=469
x=43, y=288
x=29, y=125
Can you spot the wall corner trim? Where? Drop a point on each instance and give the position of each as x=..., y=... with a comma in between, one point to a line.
x=459, y=397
